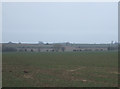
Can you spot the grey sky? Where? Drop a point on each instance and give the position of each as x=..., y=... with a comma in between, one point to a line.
x=60, y=22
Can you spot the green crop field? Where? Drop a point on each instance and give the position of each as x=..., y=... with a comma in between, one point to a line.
x=62, y=69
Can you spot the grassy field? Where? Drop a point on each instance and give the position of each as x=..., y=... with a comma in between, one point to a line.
x=73, y=69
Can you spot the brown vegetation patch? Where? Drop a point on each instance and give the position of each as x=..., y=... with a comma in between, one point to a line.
x=28, y=76
x=114, y=72
x=76, y=69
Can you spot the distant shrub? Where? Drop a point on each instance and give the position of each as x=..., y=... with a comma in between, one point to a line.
x=113, y=48
x=8, y=49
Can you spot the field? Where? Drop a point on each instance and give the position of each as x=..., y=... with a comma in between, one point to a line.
x=63, y=69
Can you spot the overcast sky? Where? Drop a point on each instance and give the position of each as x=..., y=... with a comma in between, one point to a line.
x=60, y=22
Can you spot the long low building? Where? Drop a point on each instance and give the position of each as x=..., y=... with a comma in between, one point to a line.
x=57, y=47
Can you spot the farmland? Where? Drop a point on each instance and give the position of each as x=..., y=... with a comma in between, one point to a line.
x=60, y=69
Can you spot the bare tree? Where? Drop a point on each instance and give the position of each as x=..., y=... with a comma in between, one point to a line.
x=63, y=49
x=57, y=47
x=40, y=42
x=39, y=49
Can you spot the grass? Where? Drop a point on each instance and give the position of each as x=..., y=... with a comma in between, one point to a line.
x=67, y=69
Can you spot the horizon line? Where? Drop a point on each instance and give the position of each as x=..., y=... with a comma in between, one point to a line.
x=41, y=42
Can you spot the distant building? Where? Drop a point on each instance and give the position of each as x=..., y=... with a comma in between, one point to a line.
x=58, y=48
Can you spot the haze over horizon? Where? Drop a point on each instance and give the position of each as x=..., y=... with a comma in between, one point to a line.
x=112, y=42
x=55, y=22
